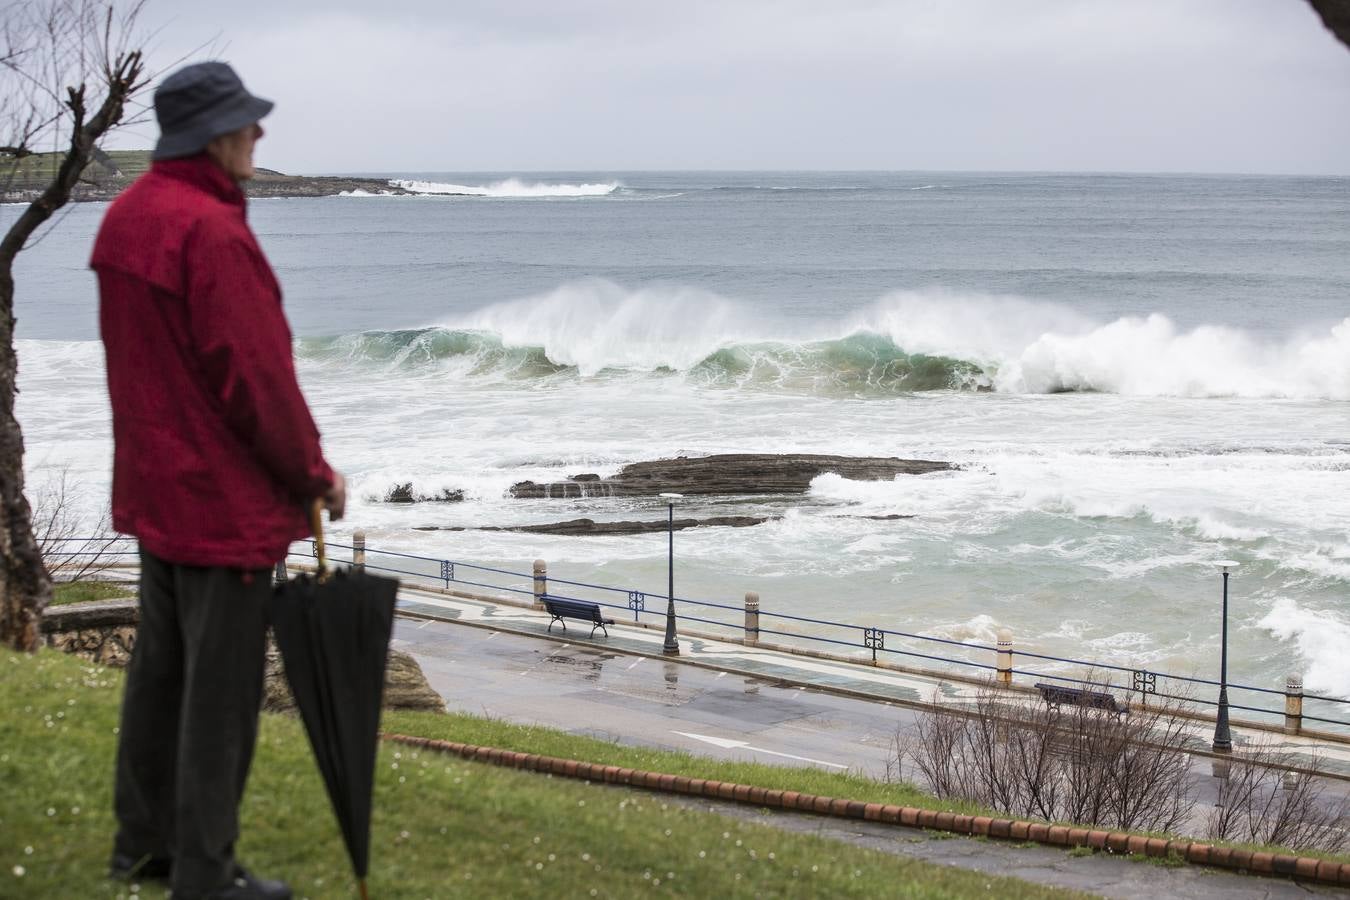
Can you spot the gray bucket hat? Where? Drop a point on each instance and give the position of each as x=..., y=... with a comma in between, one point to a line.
x=201, y=102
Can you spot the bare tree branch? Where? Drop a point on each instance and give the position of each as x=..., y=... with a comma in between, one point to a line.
x=68, y=70
x=1335, y=16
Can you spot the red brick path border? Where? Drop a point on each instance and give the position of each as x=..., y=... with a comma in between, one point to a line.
x=1304, y=868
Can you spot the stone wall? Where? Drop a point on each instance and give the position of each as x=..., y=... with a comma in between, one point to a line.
x=104, y=632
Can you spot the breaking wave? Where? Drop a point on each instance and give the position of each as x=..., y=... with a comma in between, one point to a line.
x=903, y=343
x=1320, y=637
x=509, y=188
x=864, y=364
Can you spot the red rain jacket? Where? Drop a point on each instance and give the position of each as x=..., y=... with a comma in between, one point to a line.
x=215, y=452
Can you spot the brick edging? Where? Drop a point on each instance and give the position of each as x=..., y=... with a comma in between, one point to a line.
x=1242, y=861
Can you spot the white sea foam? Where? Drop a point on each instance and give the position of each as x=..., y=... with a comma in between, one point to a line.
x=1320, y=637
x=982, y=629
x=510, y=188
x=985, y=329
x=1151, y=357
x=596, y=325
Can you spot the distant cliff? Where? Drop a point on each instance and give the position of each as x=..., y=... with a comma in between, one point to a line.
x=108, y=173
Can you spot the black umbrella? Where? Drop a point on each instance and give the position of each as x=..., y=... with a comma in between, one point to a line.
x=333, y=631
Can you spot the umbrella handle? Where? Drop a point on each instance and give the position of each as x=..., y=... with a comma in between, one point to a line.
x=362, y=885
x=316, y=524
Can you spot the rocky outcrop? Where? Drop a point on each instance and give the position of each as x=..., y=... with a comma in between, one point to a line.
x=104, y=178
x=404, y=493
x=590, y=526
x=405, y=687
x=729, y=474
x=266, y=183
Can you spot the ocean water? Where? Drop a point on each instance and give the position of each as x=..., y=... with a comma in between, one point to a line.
x=1136, y=375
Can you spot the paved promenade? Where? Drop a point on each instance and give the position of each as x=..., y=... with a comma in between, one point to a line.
x=725, y=700
x=805, y=672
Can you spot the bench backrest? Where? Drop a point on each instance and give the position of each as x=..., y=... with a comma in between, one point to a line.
x=1079, y=697
x=572, y=609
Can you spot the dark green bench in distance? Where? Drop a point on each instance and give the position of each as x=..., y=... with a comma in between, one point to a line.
x=1056, y=695
x=581, y=610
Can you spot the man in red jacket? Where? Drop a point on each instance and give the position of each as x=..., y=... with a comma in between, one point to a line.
x=216, y=459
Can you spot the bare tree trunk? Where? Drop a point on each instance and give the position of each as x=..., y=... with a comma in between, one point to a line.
x=25, y=585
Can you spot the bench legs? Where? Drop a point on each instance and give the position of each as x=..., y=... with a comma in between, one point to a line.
x=559, y=620
x=601, y=626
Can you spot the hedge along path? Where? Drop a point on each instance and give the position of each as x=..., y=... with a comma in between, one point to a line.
x=1305, y=868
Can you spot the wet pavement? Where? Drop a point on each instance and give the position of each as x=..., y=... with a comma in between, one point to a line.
x=873, y=685
x=779, y=711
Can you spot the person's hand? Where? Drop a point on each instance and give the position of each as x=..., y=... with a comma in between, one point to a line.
x=335, y=501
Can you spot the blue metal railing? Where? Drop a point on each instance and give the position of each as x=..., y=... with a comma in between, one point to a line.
x=868, y=639
x=855, y=637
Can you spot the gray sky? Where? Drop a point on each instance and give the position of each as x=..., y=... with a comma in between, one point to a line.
x=1080, y=85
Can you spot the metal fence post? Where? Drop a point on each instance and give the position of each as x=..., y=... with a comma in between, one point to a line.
x=359, y=550
x=1293, y=703
x=1003, y=657
x=751, y=618
x=540, y=582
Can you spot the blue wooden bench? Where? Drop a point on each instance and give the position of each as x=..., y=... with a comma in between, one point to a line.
x=581, y=610
x=1056, y=695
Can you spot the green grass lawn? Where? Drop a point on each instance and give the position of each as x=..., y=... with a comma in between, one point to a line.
x=84, y=591
x=486, y=732
x=470, y=729
x=36, y=171
x=443, y=827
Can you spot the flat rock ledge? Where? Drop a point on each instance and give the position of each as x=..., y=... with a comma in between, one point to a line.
x=728, y=474
x=590, y=526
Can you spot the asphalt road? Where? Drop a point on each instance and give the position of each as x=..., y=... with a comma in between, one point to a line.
x=650, y=701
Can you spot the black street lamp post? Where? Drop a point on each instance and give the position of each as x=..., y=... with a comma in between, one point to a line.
x=671, y=646
x=1223, y=740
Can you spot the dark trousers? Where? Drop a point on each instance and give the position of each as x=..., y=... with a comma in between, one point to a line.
x=190, y=717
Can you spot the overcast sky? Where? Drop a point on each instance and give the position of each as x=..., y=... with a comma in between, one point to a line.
x=607, y=85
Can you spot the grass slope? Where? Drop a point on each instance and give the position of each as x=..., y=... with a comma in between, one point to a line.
x=550, y=742
x=85, y=591
x=442, y=827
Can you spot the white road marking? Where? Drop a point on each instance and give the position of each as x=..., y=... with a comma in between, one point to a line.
x=721, y=675
x=636, y=661
x=732, y=744
x=425, y=624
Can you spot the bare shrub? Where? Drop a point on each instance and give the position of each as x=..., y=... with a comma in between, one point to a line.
x=1261, y=802
x=1080, y=764
x=71, y=550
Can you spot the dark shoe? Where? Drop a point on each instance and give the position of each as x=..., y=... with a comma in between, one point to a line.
x=248, y=887
x=139, y=868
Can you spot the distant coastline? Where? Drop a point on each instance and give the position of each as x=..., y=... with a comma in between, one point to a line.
x=110, y=173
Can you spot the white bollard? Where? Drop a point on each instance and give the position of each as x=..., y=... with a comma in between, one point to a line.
x=540, y=582
x=751, y=618
x=1003, y=657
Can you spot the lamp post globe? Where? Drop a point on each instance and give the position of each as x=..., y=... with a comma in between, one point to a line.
x=671, y=647
x=1223, y=738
